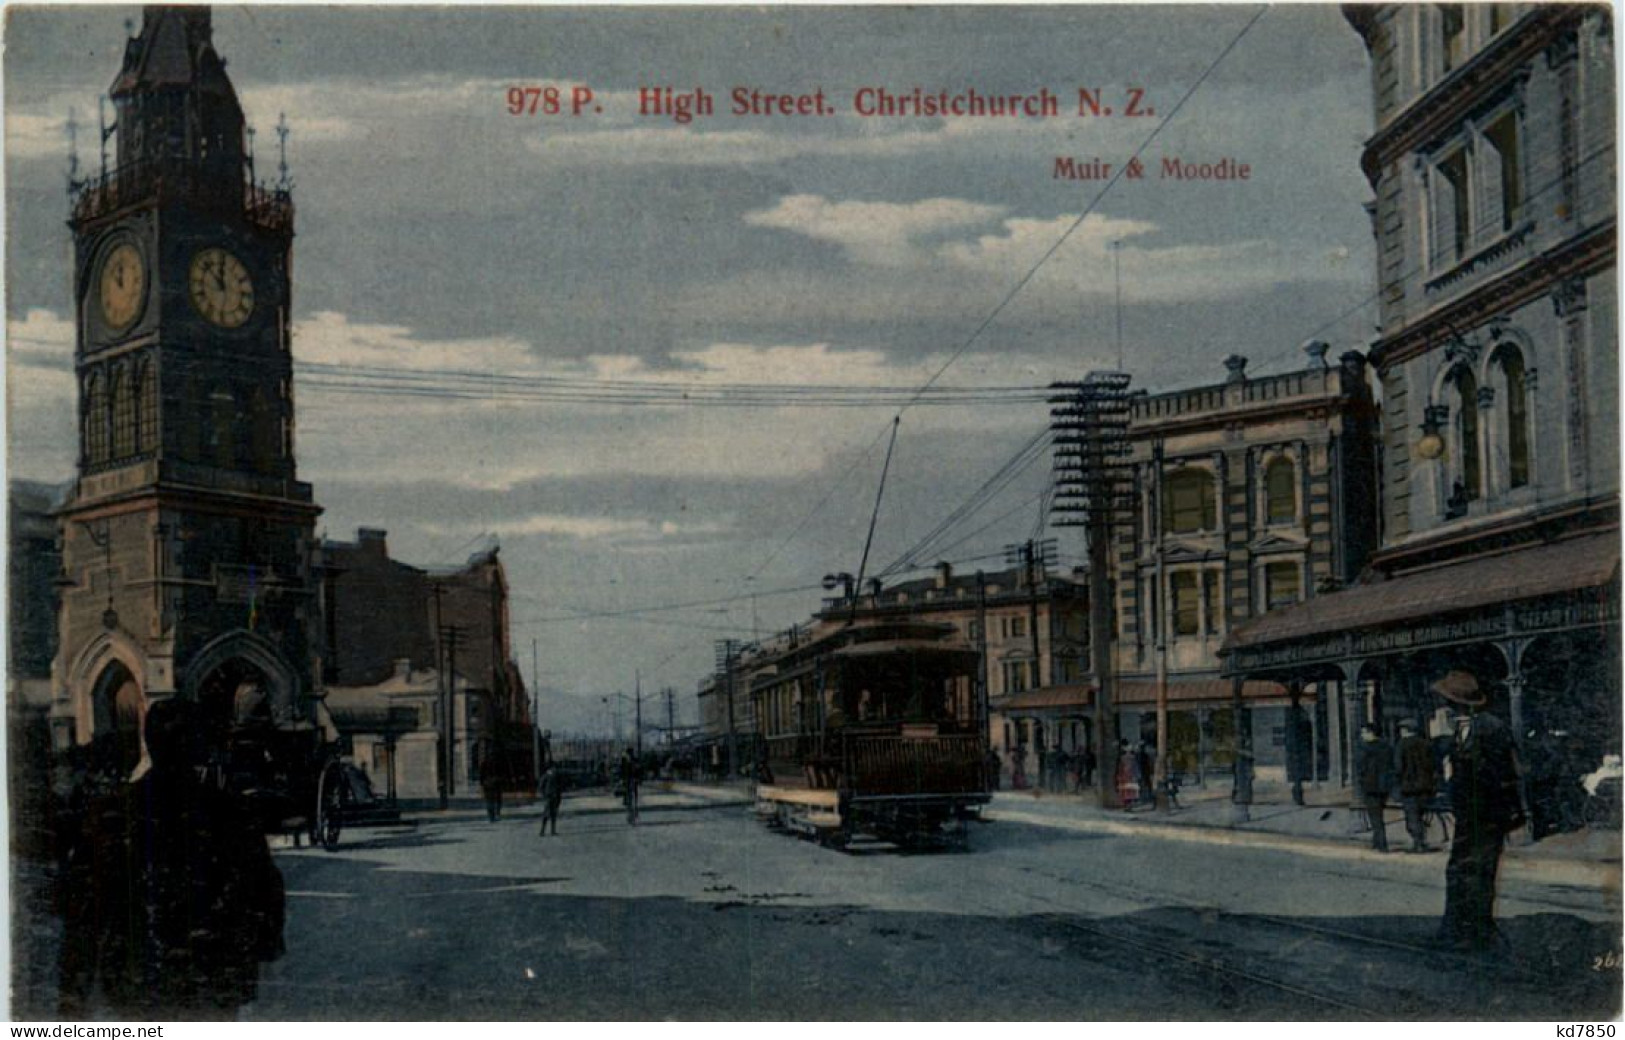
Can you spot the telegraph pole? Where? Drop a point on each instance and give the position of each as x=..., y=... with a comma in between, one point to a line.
x=983, y=720
x=452, y=635
x=727, y=655
x=535, y=720
x=440, y=675
x=637, y=710
x=1164, y=614
x=1091, y=435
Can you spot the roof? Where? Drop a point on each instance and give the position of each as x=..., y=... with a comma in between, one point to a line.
x=1136, y=691
x=1577, y=563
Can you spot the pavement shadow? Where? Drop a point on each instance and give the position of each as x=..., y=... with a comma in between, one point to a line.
x=492, y=953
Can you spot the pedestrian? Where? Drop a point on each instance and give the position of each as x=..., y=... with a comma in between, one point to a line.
x=1087, y=770
x=491, y=787
x=629, y=777
x=994, y=767
x=1375, y=771
x=180, y=899
x=1484, y=798
x=1299, y=749
x=552, y=793
x=1018, y=768
x=1126, y=788
x=1417, y=782
x=1145, y=771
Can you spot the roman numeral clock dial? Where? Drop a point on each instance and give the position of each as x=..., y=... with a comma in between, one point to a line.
x=221, y=289
x=123, y=286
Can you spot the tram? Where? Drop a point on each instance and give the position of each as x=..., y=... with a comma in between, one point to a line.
x=871, y=730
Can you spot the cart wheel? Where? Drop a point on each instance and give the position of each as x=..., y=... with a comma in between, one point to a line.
x=324, y=830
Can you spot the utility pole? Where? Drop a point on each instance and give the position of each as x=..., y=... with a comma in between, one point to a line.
x=535, y=720
x=671, y=715
x=1091, y=436
x=727, y=656
x=440, y=675
x=1163, y=613
x=982, y=714
x=637, y=710
x=452, y=636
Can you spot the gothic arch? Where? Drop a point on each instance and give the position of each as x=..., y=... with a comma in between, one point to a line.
x=87, y=670
x=255, y=651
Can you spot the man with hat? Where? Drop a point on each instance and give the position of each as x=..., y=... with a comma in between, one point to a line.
x=1417, y=781
x=1484, y=797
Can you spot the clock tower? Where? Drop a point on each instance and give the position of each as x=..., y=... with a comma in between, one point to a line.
x=187, y=543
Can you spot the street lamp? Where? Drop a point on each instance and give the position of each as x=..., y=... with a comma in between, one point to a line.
x=1430, y=446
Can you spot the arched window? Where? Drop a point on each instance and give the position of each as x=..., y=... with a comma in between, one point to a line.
x=267, y=432
x=123, y=414
x=1188, y=502
x=1281, y=491
x=95, y=418
x=147, y=408
x=1516, y=389
x=1469, y=471
x=222, y=423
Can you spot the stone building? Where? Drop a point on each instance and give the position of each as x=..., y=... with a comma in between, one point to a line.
x=1251, y=494
x=392, y=631
x=1494, y=170
x=187, y=539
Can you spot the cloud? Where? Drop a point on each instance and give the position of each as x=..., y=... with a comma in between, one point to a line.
x=327, y=337
x=581, y=528
x=882, y=233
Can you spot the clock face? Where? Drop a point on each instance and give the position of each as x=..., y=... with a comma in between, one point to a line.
x=123, y=286
x=221, y=289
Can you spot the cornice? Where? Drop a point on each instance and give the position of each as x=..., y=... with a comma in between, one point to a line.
x=1443, y=106
x=1585, y=253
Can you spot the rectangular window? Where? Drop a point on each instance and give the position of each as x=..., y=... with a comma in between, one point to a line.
x=1210, y=600
x=1280, y=584
x=1505, y=167
x=1187, y=612
x=1453, y=34
x=1453, y=225
x=1015, y=676
x=1018, y=627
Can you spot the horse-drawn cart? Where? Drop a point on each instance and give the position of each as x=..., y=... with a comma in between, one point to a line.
x=292, y=777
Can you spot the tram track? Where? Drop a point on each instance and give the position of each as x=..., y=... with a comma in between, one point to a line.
x=1217, y=978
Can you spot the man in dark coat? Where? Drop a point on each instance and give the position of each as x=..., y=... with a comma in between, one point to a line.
x=1299, y=750
x=1376, y=773
x=552, y=794
x=1484, y=798
x=1417, y=782
x=180, y=899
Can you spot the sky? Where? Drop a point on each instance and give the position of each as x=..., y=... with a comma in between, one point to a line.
x=528, y=297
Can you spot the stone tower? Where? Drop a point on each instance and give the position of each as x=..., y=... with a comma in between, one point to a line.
x=187, y=542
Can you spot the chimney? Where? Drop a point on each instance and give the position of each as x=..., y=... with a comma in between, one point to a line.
x=945, y=574
x=1316, y=349
x=1236, y=365
x=373, y=539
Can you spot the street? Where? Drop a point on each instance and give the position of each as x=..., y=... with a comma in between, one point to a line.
x=701, y=912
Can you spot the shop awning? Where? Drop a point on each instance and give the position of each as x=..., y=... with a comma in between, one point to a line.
x=1569, y=566
x=1134, y=693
